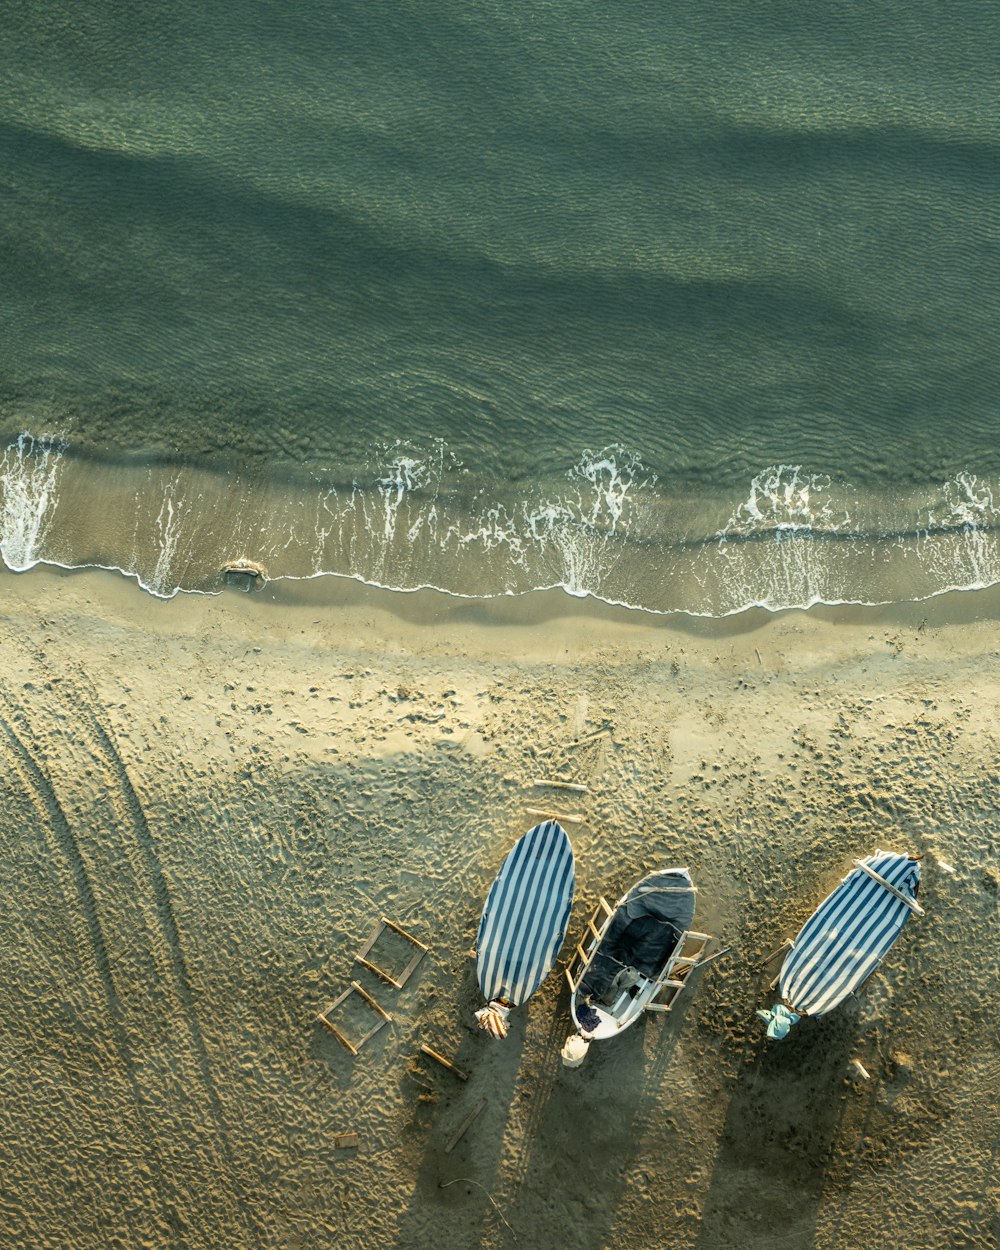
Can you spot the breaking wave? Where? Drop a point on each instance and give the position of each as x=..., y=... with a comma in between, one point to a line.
x=605, y=525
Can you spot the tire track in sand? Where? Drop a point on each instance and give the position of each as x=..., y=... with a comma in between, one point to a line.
x=42, y=795
x=79, y=696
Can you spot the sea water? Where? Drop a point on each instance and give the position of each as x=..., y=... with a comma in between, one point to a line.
x=690, y=308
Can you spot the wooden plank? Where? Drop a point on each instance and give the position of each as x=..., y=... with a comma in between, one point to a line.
x=718, y=955
x=341, y=1141
x=465, y=1126
x=362, y=956
x=390, y=924
x=379, y=972
x=372, y=938
x=328, y=1024
x=786, y=945
x=445, y=1063
x=344, y=1041
x=560, y=816
x=359, y=989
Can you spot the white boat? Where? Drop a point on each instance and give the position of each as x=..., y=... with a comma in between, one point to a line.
x=635, y=957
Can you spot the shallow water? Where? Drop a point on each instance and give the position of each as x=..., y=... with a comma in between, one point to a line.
x=685, y=311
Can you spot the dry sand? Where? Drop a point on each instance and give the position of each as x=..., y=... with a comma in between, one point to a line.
x=207, y=803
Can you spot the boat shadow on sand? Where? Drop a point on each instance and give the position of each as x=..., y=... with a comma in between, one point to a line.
x=455, y=1178
x=580, y=1152
x=792, y=1123
x=553, y=1149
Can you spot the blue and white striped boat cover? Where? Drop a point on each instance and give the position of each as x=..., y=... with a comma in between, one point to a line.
x=848, y=935
x=526, y=914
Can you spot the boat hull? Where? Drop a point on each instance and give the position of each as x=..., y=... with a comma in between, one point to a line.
x=626, y=966
x=524, y=921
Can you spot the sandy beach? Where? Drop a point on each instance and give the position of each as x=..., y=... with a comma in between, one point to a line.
x=208, y=803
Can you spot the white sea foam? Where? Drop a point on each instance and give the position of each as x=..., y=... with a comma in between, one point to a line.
x=168, y=524
x=29, y=478
x=603, y=527
x=961, y=542
x=785, y=500
x=569, y=537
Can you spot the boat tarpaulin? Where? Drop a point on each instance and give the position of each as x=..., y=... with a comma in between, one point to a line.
x=524, y=921
x=646, y=927
x=848, y=935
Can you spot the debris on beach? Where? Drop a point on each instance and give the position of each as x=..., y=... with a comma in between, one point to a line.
x=445, y=1063
x=248, y=573
x=466, y=1124
x=382, y=1015
x=544, y=782
x=420, y=950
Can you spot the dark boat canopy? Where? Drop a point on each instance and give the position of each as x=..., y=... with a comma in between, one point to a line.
x=643, y=933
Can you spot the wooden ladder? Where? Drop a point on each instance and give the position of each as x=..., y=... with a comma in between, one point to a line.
x=596, y=925
x=688, y=952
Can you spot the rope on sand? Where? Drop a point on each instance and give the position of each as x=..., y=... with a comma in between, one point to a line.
x=469, y=1181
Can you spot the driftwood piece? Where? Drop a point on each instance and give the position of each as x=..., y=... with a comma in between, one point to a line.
x=566, y=820
x=465, y=1126
x=543, y=783
x=445, y=1063
x=786, y=945
x=255, y=574
x=341, y=1141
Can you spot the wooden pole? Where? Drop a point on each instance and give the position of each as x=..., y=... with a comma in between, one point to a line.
x=445, y=1063
x=911, y=903
x=569, y=820
x=465, y=1126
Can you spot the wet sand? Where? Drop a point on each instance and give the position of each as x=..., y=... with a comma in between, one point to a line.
x=207, y=804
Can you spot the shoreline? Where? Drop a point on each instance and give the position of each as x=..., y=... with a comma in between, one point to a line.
x=595, y=529
x=211, y=800
x=429, y=604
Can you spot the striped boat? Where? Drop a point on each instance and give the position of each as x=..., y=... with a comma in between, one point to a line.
x=846, y=938
x=524, y=921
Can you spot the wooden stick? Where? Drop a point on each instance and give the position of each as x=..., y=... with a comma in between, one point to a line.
x=569, y=820
x=861, y=1070
x=464, y=1126
x=777, y=951
x=445, y=1063
x=358, y=989
x=341, y=1037
x=718, y=954
x=911, y=903
x=560, y=785
x=328, y=1024
x=582, y=742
